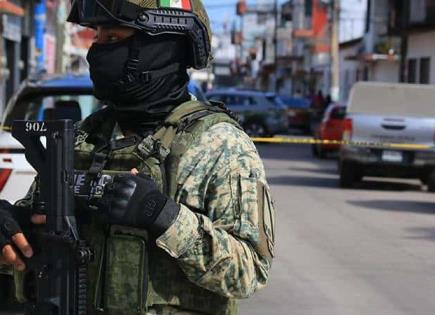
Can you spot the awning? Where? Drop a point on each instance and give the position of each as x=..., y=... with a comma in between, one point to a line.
x=374, y=57
x=7, y=7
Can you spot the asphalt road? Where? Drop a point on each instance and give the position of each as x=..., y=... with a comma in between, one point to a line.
x=369, y=250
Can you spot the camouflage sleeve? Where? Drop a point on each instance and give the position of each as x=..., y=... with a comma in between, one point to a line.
x=223, y=237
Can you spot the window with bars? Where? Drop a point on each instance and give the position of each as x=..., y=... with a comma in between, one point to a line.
x=412, y=71
x=425, y=70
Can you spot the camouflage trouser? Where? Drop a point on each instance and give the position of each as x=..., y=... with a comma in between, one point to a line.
x=168, y=310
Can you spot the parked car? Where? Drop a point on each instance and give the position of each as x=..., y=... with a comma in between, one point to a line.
x=258, y=115
x=330, y=128
x=381, y=113
x=299, y=112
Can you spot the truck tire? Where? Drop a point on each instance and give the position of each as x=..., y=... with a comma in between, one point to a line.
x=430, y=182
x=322, y=153
x=318, y=152
x=315, y=150
x=350, y=174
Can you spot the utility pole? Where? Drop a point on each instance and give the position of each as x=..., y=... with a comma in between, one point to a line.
x=275, y=43
x=60, y=36
x=335, y=58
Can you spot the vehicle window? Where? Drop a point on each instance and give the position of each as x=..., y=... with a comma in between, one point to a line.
x=235, y=100
x=374, y=98
x=246, y=100
x=338, y=113
x=295, y=102
x=252, y=101
x=48, y=107
x=217, y=98
x=274, y=100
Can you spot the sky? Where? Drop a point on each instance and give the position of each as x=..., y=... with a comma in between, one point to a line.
x=352, y=16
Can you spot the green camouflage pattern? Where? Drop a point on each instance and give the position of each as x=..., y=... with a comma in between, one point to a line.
x=220, y=247
x=197, y=8
x=215, y=245
x=126, y=273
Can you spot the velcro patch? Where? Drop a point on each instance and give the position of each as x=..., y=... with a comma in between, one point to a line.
x=83, y=187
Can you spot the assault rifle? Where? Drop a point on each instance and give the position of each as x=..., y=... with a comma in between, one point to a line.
x=57, y=274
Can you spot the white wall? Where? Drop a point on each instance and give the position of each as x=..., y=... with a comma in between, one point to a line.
x=421, y=46
x=348, y=70
x=381, y=71
x=386, y=71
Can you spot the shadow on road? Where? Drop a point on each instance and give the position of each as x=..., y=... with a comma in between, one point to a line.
x=319, y=182
x=372, y=184
x=396, y=205
x=328, y=171
x=422, y=233
x=332, y=182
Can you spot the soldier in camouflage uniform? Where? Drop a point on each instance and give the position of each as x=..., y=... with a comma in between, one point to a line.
x=172, y=194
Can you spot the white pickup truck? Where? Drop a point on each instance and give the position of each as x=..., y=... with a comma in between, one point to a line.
x=379, y=114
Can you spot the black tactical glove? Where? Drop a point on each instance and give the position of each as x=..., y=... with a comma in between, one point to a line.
x=136, y=201
x=8, y=224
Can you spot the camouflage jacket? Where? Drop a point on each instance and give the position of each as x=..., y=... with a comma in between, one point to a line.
x=230, y=185
x=223, y=237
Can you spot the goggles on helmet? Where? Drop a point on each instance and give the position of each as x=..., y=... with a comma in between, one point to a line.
x=102, y=12
x=163, y=20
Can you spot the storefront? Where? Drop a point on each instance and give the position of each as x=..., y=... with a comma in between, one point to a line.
x=14, y=47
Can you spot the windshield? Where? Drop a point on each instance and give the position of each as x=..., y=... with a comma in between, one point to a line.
x=404, y=100
x=48, y=107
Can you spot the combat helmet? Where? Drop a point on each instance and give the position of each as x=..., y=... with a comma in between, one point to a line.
x=154, y=17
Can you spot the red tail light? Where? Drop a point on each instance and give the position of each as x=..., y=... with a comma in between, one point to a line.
x=4, y=172
x=348, y=129
x=4, y=176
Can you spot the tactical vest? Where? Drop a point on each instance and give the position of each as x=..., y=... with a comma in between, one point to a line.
x=130, y=273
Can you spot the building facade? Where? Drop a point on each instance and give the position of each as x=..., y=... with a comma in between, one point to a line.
x=16, y=38
x=418, y=33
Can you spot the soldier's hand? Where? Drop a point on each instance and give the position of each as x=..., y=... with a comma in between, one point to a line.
x=13, y=243
x=137, y=202
x=39, y=219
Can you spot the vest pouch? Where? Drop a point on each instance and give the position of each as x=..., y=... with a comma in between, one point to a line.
x=126, y=276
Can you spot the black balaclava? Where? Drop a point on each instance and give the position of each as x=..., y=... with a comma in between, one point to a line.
x=142, y=77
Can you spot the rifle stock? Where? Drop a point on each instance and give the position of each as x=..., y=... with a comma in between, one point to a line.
x=57, y=274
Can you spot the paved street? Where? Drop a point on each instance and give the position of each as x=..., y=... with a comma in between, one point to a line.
x=365, y=251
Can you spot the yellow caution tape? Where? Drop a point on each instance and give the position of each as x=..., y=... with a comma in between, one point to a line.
x=294, y=140
x=403, y=146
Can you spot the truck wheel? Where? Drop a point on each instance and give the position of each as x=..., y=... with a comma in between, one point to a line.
x=350, y=174
x=322, y=153
x=315, y=150
x=430, y=182
x=318, y=152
